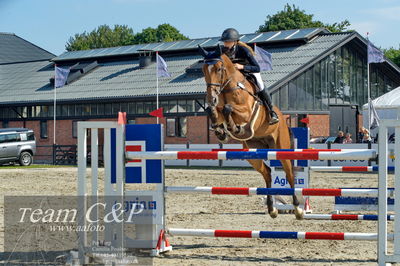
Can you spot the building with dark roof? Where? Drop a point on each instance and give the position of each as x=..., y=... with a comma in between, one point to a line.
x=316, y=73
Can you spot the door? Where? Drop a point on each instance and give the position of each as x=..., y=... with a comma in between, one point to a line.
x=10, y=145
x=344, y=118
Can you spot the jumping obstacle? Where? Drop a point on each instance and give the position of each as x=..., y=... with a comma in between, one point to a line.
x=248, y=155
x=275, y=234
x=348, y=168
x=149, y=156
x=363, y=217
x=277, y=191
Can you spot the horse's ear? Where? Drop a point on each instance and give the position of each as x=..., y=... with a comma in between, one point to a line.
x=203, y=51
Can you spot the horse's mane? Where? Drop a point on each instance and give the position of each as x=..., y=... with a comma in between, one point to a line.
x=228, y=63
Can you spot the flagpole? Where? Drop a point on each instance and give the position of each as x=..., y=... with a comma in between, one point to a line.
x=54, y=111
x=158, y=119
x=368, y=89
x=369, y=99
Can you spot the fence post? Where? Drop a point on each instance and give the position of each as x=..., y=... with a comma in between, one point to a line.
x=54, y=154
x=188, y=148
x=220, y=161
x=329, y=147
x=370, y=147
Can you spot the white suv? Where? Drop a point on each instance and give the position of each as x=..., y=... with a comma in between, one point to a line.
x=17, y=145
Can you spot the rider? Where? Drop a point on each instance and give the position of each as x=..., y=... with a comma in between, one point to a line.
x=239, y=51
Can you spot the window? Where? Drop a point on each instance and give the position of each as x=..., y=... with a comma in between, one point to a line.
x=284, y=98
x=13, y=137
x=116, y=107
x=170, y=127
x=148, y=107
x=292, y=94
x=74, y=129
x=3, y=138
x=108, y=109
x=71, y=110
x=43, y=129
x=181, y=127
x=5, y=124
x=173, y=106
x=309, y=90
x=30, y=136
x=199, y=105
x=182, y=106
x=100, y=109
x=78, y=109
x=132, y=108
x=177, y=127
x=164, y=105
x=124, y=107
x=64, y=110
x=93, y=109
x=44, y=111
x=139, y=107
x=86, y=109
x=190, y=106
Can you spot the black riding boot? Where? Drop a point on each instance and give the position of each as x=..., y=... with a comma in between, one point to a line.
x=266, y=100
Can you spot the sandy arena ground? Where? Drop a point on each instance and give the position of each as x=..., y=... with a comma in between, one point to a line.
x=226, y=212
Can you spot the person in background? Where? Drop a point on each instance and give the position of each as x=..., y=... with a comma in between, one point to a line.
x=348, y=139
x=366, y=136
x=339, y=138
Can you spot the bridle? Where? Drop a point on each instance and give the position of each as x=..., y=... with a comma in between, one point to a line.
x=222, y=84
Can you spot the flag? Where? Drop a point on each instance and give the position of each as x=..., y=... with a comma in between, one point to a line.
x=61, y=76
x=263, y=58
x=162, y=70
x=305, y=120
x=373, y=115
x=374, y=54
x=121, y=118
x=157, y=113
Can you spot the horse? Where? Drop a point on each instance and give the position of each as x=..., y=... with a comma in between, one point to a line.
x=236, y=112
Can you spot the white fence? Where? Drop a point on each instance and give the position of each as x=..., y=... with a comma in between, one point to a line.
x=242, y=163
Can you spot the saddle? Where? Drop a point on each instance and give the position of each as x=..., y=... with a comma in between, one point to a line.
x=250, y=78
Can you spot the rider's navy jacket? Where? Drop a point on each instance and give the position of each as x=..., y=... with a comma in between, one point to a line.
x=243, y=56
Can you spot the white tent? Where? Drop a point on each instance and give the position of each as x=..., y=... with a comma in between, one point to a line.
x=387, y=106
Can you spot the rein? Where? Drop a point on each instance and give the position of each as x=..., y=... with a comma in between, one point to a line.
x=222, y=85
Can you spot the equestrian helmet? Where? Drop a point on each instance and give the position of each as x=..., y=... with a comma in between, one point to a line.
x=230, y=35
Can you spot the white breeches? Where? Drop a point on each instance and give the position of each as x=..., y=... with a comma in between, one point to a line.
x=260, y=82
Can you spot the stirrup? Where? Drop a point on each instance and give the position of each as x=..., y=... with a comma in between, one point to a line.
x=274, y=118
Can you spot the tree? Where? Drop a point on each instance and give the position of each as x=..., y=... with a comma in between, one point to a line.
x=291, y=17
x=393, y=54
x=163, y=33
x=101, y=37
x=121, y=35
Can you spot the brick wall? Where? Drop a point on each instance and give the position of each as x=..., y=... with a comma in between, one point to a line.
x=319, y=125
x=197, y=129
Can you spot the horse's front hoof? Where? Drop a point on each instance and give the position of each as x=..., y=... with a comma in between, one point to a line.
x=299, y=213
x=274, y=213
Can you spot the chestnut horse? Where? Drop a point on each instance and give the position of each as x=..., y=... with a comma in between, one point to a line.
x=236, y=112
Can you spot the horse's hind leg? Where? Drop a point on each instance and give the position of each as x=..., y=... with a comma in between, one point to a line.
x=263, y=169
x=288, y=168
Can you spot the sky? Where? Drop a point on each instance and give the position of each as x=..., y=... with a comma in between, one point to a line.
x=50, y=23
